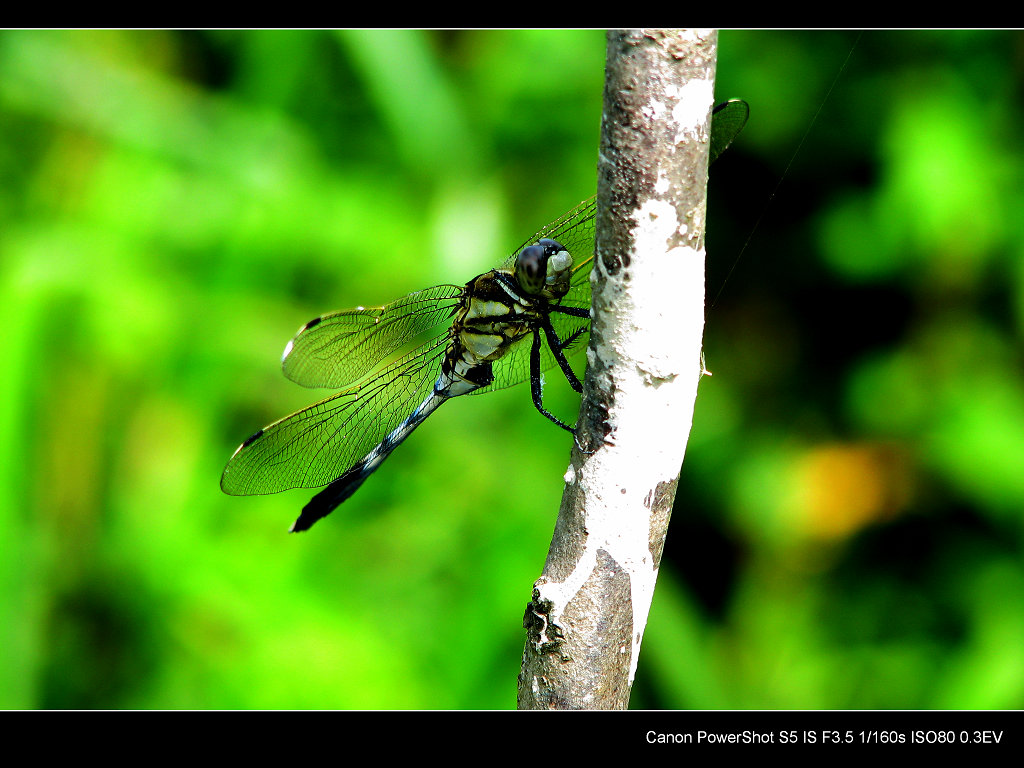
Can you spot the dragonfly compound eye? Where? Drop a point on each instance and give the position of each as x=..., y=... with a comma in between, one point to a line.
x=531, y=268
x=544, y=268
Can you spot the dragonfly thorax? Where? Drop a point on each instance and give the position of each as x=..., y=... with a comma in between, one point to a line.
x=544, y=269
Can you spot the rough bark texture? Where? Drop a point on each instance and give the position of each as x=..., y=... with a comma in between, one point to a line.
x=589, y=609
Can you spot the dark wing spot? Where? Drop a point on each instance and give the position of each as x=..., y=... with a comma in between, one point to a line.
x=252, y=438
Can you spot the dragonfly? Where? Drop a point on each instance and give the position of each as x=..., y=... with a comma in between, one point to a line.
x=397, y=364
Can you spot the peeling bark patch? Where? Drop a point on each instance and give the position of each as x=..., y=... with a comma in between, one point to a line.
x=599, y=606
x=598, y=428
x=603, y=608
x=545, y=636
x=664, y=497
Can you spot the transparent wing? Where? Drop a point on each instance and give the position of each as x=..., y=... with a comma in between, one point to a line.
x=316, y=445
x=341, y=348
x=727, y=120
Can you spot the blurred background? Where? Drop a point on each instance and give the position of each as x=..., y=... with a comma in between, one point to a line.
x=174, y=205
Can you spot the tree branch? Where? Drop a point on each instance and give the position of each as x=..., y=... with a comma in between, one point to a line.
x=586, y=620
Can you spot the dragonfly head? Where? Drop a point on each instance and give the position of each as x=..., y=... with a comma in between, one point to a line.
x=544, y=269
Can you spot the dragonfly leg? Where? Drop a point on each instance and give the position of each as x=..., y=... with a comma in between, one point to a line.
x=574, y=311
x=535, y=386
x=557, y=348
x=571, y=339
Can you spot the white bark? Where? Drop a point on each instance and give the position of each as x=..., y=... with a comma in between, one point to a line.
x=589, y=609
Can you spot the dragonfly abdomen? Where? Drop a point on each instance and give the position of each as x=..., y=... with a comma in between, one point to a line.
x=449, y=384
x=339, y=490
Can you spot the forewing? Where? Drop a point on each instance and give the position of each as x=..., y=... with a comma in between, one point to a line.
x=316, y=445
x=342, y=348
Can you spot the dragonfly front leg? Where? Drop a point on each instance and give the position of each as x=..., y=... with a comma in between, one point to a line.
x=535, y=386
x=557, y=348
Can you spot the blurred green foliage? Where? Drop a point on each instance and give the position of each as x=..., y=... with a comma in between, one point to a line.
x=173, y=206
